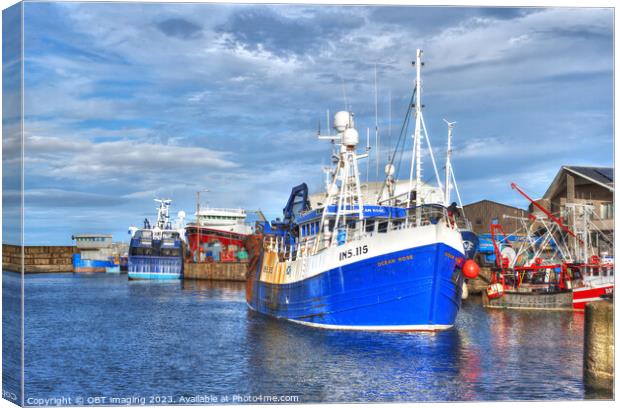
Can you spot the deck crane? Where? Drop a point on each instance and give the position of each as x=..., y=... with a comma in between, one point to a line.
x=545, y=211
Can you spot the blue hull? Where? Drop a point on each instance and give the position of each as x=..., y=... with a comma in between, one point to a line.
x=90, y=265
x=414, y=289
x=154, y=267
x=154, y=276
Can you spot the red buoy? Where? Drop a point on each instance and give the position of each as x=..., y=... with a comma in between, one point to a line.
x=470, y=269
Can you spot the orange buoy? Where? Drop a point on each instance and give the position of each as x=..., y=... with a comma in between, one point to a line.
x=470, y=269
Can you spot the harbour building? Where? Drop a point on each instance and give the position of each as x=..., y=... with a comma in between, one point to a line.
x=580, y=195
x=482, y=213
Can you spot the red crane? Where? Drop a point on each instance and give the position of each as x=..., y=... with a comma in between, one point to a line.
x=547, y=213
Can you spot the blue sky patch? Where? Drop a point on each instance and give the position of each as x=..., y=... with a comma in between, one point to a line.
x=127, y=102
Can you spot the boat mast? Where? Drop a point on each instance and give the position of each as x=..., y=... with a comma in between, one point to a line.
x=416, y=161
x=377, y=142
x=448, y=164
x=347, y=196
x=162, y=213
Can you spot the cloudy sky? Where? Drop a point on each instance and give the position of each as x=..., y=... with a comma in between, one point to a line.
x=128, y=102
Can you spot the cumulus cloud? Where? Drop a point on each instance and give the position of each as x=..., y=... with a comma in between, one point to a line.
x=120, y=159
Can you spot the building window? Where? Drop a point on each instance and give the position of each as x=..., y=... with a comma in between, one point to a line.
x=478, y=221
x=607, y=211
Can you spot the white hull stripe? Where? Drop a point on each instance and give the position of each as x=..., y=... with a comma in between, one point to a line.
x=587, y=299
x=411, y=327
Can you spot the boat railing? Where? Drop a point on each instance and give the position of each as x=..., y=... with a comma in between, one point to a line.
x=430, y=214
x=205, y=211
x=356, y=230
x=592, y=270
x=463, y=223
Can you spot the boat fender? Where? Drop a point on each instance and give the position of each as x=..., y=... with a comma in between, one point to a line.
x=470, y=269
x=465, y=292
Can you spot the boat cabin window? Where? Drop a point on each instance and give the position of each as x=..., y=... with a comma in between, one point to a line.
x=383, y=227
x=142, y=251
x=170, y=252
x=370, y=225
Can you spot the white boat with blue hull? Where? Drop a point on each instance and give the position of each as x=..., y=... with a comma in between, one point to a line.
x=156, y=252
x=395, y=277
x=351, y=265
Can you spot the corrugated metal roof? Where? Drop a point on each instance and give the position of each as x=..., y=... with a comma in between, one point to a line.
x=603, y=175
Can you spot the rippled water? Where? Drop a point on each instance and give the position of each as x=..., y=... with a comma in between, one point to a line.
x=102, y=335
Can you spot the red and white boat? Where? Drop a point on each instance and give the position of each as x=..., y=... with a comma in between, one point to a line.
x=570, y=254
x=218, y=234
x=593, y=281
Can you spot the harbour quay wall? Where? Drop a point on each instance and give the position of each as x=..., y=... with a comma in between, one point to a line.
x=598, y=347
x=219, y=271
x=479, y=284
x=38, y=259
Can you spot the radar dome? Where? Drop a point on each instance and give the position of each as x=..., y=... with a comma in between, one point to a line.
x=181, y=214
x=350, y=137
x=343, y=120
x=389, y=169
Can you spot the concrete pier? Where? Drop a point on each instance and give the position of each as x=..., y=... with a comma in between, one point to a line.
x=37, y=259
x=598, y=348
x=220, y=271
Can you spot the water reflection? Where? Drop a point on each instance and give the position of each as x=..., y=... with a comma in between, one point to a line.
x=196, y=337
x=425, y=366
x=222, y=290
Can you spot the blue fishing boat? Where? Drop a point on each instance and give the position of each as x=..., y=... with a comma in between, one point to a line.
x=355, y=265
x=384, y=268
x=96, y=253
x=156, y=251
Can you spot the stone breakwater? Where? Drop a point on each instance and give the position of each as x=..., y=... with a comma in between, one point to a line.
x=38, y=259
